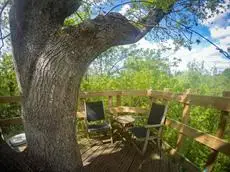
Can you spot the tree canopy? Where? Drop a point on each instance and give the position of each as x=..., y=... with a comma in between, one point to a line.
x=176, y=21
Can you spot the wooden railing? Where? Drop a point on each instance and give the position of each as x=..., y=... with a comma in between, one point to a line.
x=215, y=143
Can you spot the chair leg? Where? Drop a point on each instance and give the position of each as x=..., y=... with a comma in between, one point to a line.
x=159, y=143
x=146, y=141
x=87, y=135
x=145, y=146
x=111, y=139
x=137, y=148
x=111, y=134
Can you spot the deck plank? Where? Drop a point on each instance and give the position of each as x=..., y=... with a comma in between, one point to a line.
x=89, y=152
x=95, y=154
x=127, y=160
x=83, y=150
x=103, y=164
x=109, y=162
x=136, y=165
x=120, y=158
x=98, y=164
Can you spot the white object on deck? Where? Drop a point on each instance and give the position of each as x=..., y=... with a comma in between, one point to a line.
x=17, y=142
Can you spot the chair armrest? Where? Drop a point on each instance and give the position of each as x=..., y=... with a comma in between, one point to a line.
x=153, y=126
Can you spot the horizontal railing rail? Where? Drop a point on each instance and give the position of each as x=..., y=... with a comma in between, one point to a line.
x=220, y=103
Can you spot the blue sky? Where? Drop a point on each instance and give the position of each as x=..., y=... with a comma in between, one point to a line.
x=216, y=29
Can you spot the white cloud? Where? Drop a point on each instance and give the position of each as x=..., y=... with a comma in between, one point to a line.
x=218, y=20
x=208, y=54
x=124, y=9
x=222, y=35
x=225, y=41
x=143, y=43
x=221, y=19
x=218, y=32
x=219, y=27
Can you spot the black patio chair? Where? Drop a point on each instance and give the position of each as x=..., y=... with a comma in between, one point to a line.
x=153, y=130
x=95, y=113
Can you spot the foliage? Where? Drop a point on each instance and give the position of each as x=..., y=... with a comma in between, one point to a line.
x=122, y=68
x=8, y=87
x=177, y=25
x=144, y=69
x=8, y=84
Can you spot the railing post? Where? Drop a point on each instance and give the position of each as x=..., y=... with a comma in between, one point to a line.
x=185, y=119
x=150, y=95
x=219, y=133
x=81, y=104
x=165, y=90
x=110, y=102
x=118, y=100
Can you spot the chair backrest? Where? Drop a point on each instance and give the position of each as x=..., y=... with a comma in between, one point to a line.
x=94, y=111
x=157, y=114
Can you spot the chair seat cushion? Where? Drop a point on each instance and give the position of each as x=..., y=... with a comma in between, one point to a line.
x=98, y=127
x=139, y=132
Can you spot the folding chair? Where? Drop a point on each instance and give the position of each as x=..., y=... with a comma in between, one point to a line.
x=155, y=121
x=95, y=113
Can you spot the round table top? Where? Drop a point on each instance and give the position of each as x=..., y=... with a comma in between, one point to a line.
x=125, y=119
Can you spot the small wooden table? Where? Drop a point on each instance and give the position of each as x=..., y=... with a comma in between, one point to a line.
x=125, y=120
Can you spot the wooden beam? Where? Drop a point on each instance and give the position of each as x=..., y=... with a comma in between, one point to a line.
x=126, y=109
x=220, y=133
x=110, y=102
x=99, y=93
x=81, y=104
x=201, y=137
x=81, y=115
x=10, y=99
x=118, y=100
x=226, y=93
x=10, y=121
x=221, y=103
x=185, y=118
x=13, y=121
x=135, y=93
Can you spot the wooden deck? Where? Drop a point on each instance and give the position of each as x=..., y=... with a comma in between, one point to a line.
x=123, y=158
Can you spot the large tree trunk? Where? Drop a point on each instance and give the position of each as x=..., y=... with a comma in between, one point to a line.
x=49, y=75
x=50, y=62
x=49, y=113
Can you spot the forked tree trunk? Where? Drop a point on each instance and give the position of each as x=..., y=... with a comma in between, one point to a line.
x=50, y=61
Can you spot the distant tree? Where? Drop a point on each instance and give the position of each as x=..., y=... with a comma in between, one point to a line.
x=8, y=83
x=8, y=86
x=226, y=73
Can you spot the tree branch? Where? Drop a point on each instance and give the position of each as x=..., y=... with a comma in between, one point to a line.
x=225, y=53
x=153, y=18
x=1, y=34
x=4, y=6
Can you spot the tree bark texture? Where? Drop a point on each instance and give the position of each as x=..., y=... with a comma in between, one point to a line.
x=50, y=61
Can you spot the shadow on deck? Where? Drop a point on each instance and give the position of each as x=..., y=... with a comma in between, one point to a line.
x=121, y=157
